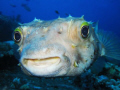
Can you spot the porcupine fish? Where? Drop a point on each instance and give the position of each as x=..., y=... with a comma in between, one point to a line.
x=62, y=47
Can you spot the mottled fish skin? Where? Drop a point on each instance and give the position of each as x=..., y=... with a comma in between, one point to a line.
x=57, y=48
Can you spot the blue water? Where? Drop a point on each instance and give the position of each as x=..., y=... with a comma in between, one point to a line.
x=107, y=12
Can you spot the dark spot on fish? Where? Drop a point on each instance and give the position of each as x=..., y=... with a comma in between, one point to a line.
x=42, y=35
x=95, y=52
x=79, y=58
x=12, y=5
x=57, y=12
x=86, y=60
x=59, y=32
x=25, y=6
x=92, y=57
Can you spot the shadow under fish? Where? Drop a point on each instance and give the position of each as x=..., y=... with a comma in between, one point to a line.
x=26, y=7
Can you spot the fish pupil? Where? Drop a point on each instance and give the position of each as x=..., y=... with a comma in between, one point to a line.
x=84, y=31
x=17, y=36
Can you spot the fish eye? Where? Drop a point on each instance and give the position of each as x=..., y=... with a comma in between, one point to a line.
x=85, y=31
x=17, y=35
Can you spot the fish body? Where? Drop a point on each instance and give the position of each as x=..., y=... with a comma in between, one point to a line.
x=60, y=47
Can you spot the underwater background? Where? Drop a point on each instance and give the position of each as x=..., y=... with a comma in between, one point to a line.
x=107, y=12
x=104, y=74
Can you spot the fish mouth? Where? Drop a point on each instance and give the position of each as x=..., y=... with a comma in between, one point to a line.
x=45, y=67
x=43, y=62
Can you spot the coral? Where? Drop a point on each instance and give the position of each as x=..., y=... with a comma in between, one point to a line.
x=108, y=78
x=6, y=48
x=113, y=84
x=7, y=58
x=111, y=71
x=16, y=80
x=25, y=87
x=102, y=78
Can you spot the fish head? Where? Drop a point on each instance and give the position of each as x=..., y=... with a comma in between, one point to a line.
x=60, y=47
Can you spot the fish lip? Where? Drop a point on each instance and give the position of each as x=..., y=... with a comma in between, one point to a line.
x=41, y=59
x=51, y=70
x=47, y=60
x=30, y=63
